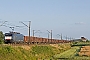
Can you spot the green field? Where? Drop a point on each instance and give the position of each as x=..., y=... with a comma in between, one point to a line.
x=72, y=54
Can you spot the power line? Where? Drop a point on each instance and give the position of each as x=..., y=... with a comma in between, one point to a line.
x=3, y=23
x=36, y=31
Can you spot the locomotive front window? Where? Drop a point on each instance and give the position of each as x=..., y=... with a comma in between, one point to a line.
x=8, y=34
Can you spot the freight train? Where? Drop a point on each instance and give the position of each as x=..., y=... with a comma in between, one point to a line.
x=14, y=37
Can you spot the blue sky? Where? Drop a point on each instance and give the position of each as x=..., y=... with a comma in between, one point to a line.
x=69, y=17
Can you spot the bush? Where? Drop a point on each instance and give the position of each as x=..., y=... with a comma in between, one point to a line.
x=1, y=37
x=1, y=41
x=6, y=49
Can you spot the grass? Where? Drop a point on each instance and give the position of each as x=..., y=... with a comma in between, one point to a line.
x=10, y=53
x=36, y=52
x=41, y=52
x=45, y=52
x=67, y=54
x=71, y=54
x=80, y=44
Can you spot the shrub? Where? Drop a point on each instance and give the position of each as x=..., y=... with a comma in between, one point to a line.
x=1, y=37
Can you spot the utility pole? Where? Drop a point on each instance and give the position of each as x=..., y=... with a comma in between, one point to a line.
x=70, y=38
x=48, y=36
x=36, y=31
x=51, y=35
x=33, y=36
x=28, y=30
x=33, y=33
x=66, y=37
x=61, y=36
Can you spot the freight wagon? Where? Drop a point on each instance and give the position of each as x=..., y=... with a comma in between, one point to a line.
x=13, y=37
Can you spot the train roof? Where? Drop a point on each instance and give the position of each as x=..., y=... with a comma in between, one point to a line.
x=15, y=32
x=12, y=33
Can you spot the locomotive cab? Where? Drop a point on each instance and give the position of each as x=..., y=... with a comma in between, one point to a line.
x=8, y=38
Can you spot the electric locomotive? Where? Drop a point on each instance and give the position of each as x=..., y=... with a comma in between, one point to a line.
x=13, y=37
